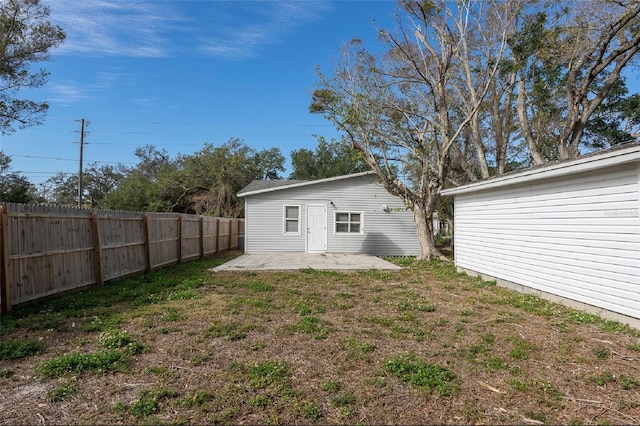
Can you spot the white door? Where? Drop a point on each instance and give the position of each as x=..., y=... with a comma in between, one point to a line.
x=316, y=228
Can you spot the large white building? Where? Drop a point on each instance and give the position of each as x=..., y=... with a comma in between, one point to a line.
x=568, y=231
x=343, y=214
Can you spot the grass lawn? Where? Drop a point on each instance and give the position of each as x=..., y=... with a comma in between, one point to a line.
x=423, y=345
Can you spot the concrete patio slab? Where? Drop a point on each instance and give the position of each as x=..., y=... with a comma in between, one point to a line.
x=296, y=261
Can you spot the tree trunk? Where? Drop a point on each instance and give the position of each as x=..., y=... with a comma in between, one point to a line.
x=476, y=137
x=424, y=228
x=536, y=155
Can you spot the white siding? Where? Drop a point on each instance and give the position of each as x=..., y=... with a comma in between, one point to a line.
x=390, y=233
x=576, y=237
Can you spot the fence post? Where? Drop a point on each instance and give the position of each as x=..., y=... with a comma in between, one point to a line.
x=217, y=235
x=234, y=243
x=5, y=285
x=230, y=234
x=147, y=242
x=97, y=248
x=201, y=236
x=179, y=238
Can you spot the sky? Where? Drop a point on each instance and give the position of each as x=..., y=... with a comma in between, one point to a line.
x=177, y=74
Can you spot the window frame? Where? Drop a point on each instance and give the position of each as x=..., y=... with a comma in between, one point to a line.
x=349, y=222
x=286, y=219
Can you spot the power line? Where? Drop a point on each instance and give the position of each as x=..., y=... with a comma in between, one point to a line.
x=25, y=172
x=67, y=159
x=199, y=123
x=45, y=158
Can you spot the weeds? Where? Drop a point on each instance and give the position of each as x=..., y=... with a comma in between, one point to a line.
x=377, y=320
x=332, y=386
x=414, y=371
x=260, y=400
x=626, y=382
x=198, y=399
x=5, y=374
x=16, y=349
x=312, y=325
x=269, y=373
x=495, y=363
x=173, y=315
x=103, y=321
x=258, y=286
x=117, y=346
x=359, y=349
x=601, y=352
x=308, y=307
x=148, y=402
x=521, y=348
x=233, y=331
x=420, y=305
x=61, y=393
x=312, y=411
x=99, y=362
x=527, y=302
x=343, y=399
x=7, y=325
x=159, y=371
x=120, y=339
x=518, y=385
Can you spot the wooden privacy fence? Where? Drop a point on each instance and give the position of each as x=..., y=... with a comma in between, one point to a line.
x=49, y=250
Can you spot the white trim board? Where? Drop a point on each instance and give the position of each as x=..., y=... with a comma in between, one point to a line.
x=582, y=164
x=299, y=184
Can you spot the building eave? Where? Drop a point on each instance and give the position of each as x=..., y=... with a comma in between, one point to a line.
x=596, y=161
x=305, y=183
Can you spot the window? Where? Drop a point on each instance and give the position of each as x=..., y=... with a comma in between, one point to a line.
x=292, y=219
x=348, y=223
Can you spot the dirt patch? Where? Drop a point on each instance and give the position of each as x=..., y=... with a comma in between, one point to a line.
x=316, y=347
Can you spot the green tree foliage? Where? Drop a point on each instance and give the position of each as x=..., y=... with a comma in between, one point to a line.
x=205, y=182
x=214, y=175
x=329, y=159
x=152, y=185
x=98, y=181
x=616, y=121
x=14, y=188
x=60, y=190
x=26, y=37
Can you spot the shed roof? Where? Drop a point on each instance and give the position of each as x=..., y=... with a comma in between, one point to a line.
x=262, y=186
x=612, y=157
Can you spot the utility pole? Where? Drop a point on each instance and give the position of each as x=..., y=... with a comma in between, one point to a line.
x=82, y=134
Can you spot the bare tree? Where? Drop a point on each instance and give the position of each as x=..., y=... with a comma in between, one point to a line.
x=570, y=56
x=406, y=110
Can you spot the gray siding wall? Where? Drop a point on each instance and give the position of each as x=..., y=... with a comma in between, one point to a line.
x=384, y=233
x=576, y=237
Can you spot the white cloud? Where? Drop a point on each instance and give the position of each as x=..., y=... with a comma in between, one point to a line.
x=114, y=27
x=106, y=80
x=164, y=28
x=66, y=93
x=245, y=27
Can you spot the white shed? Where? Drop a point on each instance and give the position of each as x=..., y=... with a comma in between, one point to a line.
x=569, y=232
x=343, y=214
